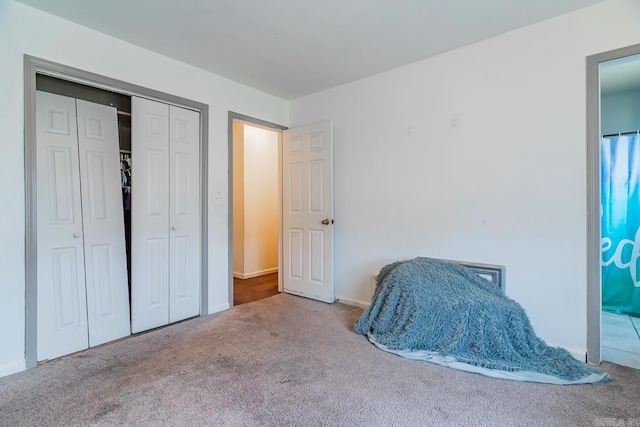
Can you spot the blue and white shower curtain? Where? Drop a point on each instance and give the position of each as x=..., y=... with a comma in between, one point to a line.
x=620, y=191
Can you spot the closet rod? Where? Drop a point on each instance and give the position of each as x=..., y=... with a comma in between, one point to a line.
x=124, y=113
x=621, y=133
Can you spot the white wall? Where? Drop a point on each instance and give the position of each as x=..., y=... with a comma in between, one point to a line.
x=24, y=30
x=620, y=112
x=478, y=154
x=260, y=201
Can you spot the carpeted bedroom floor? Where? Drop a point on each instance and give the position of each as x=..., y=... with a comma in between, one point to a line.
x=289, y=361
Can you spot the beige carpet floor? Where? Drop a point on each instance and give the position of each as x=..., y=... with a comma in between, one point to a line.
x=289, y=361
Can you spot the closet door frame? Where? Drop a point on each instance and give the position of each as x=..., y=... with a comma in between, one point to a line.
x=34, y=66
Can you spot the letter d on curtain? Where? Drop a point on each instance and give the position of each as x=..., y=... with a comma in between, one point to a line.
x=620, y=191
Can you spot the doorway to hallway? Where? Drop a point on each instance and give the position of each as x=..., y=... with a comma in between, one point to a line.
x=254, y=289
x=255, y=202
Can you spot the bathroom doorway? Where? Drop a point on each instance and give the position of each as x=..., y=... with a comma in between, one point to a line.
x=614, y=207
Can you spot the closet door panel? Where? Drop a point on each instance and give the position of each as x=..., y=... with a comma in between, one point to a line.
x=103, y=219
x=184, y=203
x=149, y=214
x=61, y=299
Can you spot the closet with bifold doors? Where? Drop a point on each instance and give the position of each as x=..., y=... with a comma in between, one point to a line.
x=82, y=287
x=118, y=216
x=165, y=214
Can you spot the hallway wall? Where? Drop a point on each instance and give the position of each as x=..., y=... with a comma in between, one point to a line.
x=261, y=201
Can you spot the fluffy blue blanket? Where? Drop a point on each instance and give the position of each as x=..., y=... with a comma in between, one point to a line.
x=442, y=307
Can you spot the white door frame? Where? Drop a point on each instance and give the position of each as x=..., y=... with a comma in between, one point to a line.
x=276, y=128
x=33, y=66
x=594, y=283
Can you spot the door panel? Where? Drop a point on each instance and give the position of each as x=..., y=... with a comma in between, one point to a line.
x=181, y=252
x=149, y=214
x=66, y=289
x=316, y=256
x=61, y=162
x=316, y=187
x=156, y=254
x=94, y=174
x=308, y=212
x=184, y=203
x=165, y=214
x=103, y=221
x=294, y=254
x=295, y=183
x=61, y=298
x=104, y=300
x=155, y=184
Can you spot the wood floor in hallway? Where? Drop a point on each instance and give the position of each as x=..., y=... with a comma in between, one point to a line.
x=256, y=288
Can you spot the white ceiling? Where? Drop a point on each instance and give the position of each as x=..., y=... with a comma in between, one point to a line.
x=292, y=48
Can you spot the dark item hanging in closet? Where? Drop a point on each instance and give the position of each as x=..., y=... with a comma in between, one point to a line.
x=125, y=172
x=125, y=182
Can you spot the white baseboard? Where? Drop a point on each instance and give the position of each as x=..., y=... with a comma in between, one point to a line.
x=255, y=273
x=12, y=367
x=577, y=354
x=353, y=302
x=218, y=308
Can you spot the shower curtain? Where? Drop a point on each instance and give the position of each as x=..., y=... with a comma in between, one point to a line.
x=620, y=174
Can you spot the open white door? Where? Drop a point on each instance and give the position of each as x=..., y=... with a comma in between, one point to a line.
x=62, y=306
x=307, y=217
x=102, y=217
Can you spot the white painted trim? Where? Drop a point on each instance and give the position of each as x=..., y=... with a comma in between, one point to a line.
x=255, y=273
x=218, y=308
x=280, y=207
x=593, y=256
x=352, y=302
x=13, y=367
x=580, y=355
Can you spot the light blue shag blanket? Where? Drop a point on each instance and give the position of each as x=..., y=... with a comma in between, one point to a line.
x=444, y=310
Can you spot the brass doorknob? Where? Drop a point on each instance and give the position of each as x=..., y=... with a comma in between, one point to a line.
x=327, y=221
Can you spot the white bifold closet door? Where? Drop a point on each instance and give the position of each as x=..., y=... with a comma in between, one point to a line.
x=165, y=214
x=82, y=290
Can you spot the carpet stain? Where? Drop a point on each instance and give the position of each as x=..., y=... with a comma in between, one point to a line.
x=299, y=370
x=104, y=410
x=223, y=362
